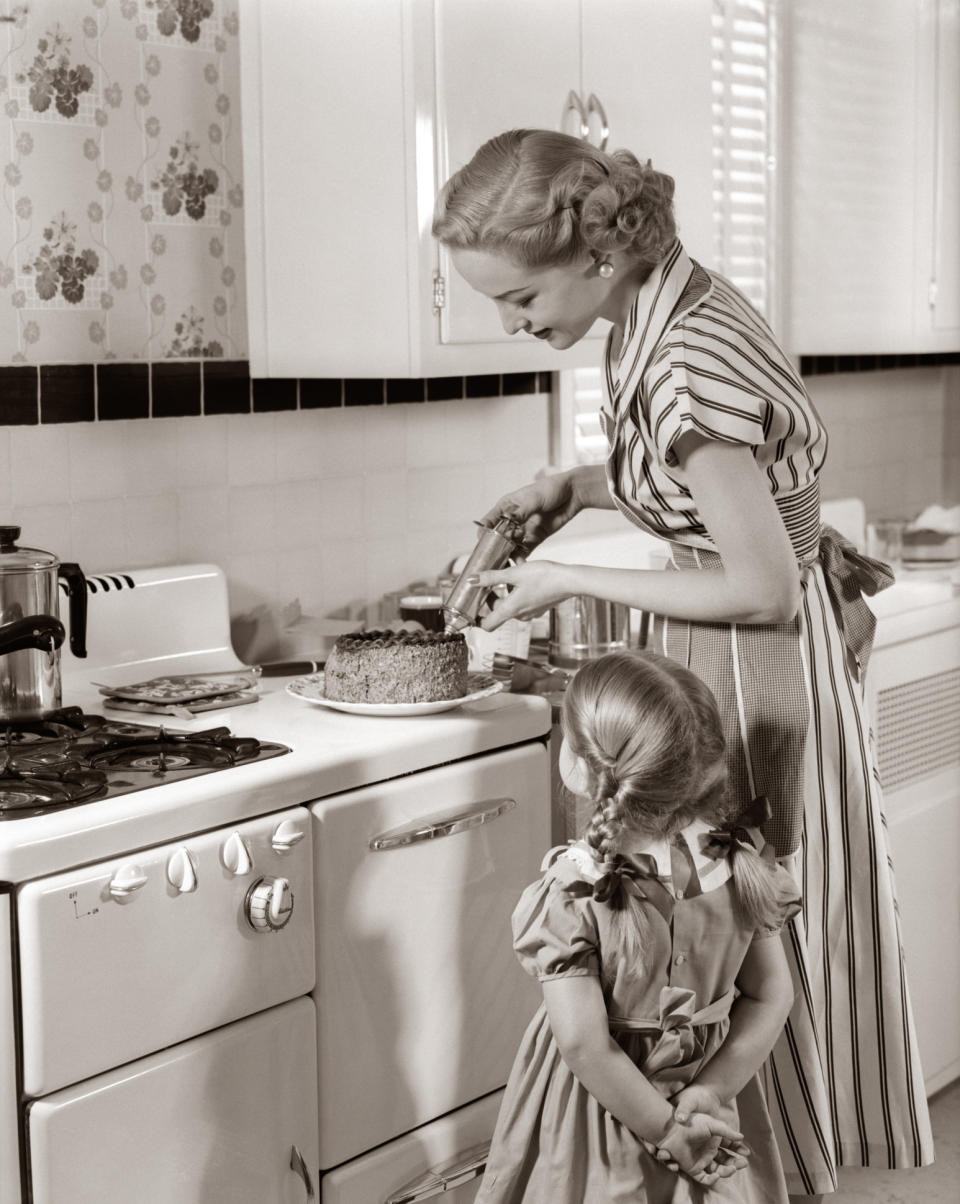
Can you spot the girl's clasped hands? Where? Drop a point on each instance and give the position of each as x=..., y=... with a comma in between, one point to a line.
x=698, y=1142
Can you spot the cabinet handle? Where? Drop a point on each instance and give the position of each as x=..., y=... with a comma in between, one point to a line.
x=297, y=1164
x=594, y=106
x=574, y=104
x=442, y=823
x=440, y=1179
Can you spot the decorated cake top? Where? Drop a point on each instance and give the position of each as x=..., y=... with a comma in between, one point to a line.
x=357, y=640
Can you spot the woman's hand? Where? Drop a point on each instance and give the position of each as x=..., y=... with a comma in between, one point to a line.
x=535, y=586
x=543, y=507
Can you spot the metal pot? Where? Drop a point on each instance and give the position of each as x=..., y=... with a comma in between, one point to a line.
x=30, y=628
x=583, y=628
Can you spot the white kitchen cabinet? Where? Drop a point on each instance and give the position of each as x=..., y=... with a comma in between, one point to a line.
x=872, y=179
x=354, y=113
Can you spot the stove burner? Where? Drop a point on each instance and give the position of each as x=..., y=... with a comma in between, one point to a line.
x=69, y=757
x=161, y=756
x=165, y=752
x=37, y=792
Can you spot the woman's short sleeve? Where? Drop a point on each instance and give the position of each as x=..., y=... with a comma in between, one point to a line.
x=554, y=932
x=691, y=390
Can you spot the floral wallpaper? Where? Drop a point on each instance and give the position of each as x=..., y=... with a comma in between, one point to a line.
x=121, y=223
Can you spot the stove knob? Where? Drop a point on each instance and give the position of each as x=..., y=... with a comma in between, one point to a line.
x=269, y=904
x=181, y=871
x=286, y=834
x=127, y=880
x=236, y=855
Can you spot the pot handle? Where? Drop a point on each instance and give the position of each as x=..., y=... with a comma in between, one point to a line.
x=77, y=593
x=45, y=632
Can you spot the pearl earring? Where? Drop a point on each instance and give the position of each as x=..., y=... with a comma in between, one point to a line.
x=605, y=269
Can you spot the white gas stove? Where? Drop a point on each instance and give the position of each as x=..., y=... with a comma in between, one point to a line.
x=223, y=984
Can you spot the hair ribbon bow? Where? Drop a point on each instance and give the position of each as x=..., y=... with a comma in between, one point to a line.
x=622, y=879
x=721, y=842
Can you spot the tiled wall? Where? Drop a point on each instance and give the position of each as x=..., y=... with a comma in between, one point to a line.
x=331, y=507
x=894, y=437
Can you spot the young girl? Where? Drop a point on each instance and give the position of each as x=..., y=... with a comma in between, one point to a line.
x=665, y=985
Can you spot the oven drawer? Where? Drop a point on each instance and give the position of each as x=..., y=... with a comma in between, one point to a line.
x=441, y=1162
x=117, y=960
x=421, y=1002
x=226, y=1116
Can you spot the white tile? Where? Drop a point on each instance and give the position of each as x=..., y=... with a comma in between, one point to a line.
x=300, y=579
x=251, y=520
x=430, y=552
x=251, y=582
x=298, y=511
x=470, y=424
x=202, y=524
x=251, y=449
x=339, y=442
x=384, y=503
x=429, y=442
x=6, y=486
x=429, y=492
x=297, y=436
x=341, y=507
x=48, y=527
x=151, y=456
x=97, y=458
x=384, y=437
x=99, y=535
x=152, y=529
x=40, y=464
x=202, y=451
x=344, y=568
x=388, y=567
x=468, y=499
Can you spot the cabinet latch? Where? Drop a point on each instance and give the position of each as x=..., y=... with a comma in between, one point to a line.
x=439, y=292
x=932, y=293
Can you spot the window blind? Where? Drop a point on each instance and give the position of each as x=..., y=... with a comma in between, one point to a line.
x=744, y=156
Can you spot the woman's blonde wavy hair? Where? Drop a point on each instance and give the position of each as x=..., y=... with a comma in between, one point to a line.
x=650, y=734
x=545, y=199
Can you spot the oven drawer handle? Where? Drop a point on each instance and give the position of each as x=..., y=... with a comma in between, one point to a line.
x=459, y=1170
x=297, y=1164
x=442, y=823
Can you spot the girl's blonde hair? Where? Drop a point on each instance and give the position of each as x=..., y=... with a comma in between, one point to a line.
x=650, y=733
x=545, y=199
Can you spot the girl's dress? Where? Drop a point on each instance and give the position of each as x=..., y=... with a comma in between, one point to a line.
x=844, y=1083
x=553, y=1142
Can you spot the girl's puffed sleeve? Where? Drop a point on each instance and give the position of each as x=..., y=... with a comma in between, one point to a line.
x=555, y=932
x=788, y=900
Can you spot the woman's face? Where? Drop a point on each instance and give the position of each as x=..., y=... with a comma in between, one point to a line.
x=557, y=305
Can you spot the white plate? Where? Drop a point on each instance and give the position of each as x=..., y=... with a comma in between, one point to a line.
x=310, y=689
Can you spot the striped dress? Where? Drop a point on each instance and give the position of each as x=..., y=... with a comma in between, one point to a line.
x=844, y=1083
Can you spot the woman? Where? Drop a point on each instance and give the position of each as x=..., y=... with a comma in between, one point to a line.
x=715, y=447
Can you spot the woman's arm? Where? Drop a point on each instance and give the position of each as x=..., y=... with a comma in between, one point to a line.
x=580, y=1025
x=756, y=1021
x=759, y=581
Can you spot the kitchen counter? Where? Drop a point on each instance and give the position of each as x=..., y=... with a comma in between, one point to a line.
x=331, y=752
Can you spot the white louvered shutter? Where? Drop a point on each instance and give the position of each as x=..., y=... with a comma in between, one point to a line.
x=745, y=48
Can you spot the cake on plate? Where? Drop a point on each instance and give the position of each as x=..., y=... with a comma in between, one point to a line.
x=396, y=666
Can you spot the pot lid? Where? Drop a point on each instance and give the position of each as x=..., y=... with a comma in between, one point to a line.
x=14, y=559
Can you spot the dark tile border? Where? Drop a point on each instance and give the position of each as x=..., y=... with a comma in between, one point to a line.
x=123, y=391
x=183, y=388
x=19, y=395
x=825, y=365
x=67, y=393
x=175, y=389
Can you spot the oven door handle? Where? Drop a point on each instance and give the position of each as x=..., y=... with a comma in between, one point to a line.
x=297, y=1164
x=440, y=1179
x=442, y=823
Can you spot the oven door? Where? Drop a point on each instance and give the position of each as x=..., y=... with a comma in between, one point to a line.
x=231, y=1115
x=442, y=1161
x=421, y=1002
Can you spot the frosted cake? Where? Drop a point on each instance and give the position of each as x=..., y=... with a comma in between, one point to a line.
x=396, y=666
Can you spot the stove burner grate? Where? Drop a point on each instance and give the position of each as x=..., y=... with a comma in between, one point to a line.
x=36, y=792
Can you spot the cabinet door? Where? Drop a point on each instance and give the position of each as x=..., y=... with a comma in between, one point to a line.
x=217, y=1118
x=499, y=66
x=648, y=64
